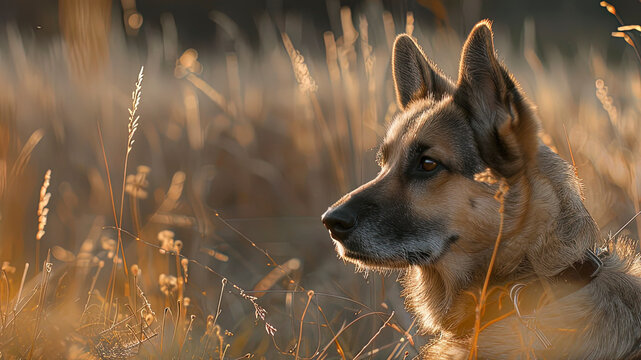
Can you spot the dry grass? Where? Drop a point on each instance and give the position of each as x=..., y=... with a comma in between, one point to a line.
x=236, y=156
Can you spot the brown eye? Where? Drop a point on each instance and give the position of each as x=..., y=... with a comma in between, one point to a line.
x=428, y=164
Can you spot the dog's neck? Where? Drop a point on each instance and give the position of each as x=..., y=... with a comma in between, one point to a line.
x=547, y=228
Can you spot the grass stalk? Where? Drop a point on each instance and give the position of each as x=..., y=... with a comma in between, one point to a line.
x=24, y=277
x=182, y=344
x=480, y=306
x=4, y=313
x=162, y=328
x=374, y=337
x=46, y=272
x=310, y=295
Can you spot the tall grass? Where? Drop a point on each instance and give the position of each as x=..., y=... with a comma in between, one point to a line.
x=237, y=156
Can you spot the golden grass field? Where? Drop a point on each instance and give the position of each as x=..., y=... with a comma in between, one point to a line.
x=188, y=227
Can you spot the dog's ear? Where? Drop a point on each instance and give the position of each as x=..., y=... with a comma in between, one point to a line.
x=416, y=77
x=502, y=119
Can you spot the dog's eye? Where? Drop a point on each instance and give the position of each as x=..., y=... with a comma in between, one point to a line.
x=428, y=164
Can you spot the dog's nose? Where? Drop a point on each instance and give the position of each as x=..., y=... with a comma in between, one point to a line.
x=339, y=221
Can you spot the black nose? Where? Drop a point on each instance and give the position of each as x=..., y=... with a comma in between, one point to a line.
x=340, y=222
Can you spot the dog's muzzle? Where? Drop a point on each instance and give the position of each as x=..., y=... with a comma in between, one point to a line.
x=340, y=222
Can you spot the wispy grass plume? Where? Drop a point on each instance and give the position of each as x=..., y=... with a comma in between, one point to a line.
x=43, y=211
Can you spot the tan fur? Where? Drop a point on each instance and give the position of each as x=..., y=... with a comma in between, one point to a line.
x=484, y=121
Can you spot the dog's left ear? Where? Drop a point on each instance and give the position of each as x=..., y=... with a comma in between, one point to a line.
x=502, y=119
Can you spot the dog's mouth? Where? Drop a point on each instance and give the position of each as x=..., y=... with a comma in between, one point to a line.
x=370, y=262
x=401, y=257
x=396, y=261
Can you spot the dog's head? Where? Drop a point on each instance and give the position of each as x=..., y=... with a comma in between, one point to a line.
x=425, y=201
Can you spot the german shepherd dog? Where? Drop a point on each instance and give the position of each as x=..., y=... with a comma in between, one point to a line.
x=557, y=290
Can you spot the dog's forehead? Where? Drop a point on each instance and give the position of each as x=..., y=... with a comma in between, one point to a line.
x=426, y=121
x=404, y=122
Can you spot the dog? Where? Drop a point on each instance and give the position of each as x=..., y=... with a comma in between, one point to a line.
x=556, y=290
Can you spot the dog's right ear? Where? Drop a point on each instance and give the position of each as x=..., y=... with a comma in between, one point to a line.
x=415, y=76
x=502, y=120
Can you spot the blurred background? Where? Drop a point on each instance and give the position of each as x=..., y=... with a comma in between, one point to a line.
x=255, y=116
